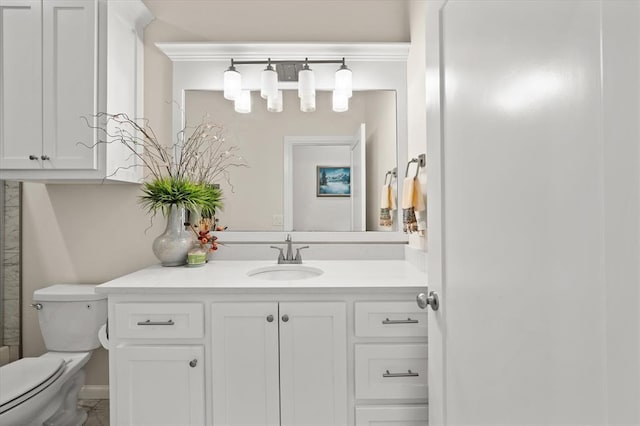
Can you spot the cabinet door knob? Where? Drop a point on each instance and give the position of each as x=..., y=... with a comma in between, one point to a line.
x=285, y=318
x=45, y=157
x=33, y=157
x=193, y=363
x=270, y=318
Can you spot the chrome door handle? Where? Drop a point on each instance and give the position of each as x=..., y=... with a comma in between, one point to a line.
x=270, y=318
x=193, y=363
x=407, y=321
x=409, y=373
x=285, y=318
x=149, y=322
x=432, y=300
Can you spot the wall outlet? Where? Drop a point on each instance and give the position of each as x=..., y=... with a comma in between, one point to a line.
x=277, y=220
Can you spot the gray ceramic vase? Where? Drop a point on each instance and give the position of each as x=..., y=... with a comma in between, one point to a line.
x=172, y=246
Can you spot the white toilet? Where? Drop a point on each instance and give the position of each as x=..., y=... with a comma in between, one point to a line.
x=44, y=390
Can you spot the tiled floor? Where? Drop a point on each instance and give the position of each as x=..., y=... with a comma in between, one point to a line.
x=98, y=411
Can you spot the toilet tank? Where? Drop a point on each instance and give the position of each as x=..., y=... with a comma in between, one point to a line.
x=70, y=316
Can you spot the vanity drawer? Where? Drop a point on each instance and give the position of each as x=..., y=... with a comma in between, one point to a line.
x=390, y=319
x=391, y=371
x=392, y=415
x=159, y=320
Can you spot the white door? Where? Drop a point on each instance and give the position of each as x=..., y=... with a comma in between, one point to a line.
x=69, y=79
x=313, y=364
x=20, y=84
x=160, y=385
x=359, y=180
x=525, y=203
x=245, y=364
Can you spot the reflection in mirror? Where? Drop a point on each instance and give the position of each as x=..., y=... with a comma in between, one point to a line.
x=255, y=201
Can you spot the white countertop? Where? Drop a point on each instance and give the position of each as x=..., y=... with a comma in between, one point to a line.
x=232, y=274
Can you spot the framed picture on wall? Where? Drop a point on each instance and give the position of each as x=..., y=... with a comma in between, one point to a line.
x=333, y=181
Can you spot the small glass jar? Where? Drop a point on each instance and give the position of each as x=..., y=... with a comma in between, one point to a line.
x=197, y=256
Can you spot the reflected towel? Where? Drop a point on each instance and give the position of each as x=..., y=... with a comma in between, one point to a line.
x=412, y=202
x=386, y=205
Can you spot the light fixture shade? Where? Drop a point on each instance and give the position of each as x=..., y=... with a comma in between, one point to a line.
x=232, y=84
x=344, y=81
x=306, y=83
x=308, y=103
x=340, y=101
x=274, y=103
x=269, y=83
x=243, y=102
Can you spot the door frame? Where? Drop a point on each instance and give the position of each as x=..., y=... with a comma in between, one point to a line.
x=290, y=142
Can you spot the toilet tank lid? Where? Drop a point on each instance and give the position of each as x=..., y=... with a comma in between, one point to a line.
x=67, y=293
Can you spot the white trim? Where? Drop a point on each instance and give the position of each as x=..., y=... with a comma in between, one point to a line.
x=94, y=392
x=284, y=51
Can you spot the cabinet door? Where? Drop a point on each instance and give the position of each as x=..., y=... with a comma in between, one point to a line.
x=245, y=364
x=20, y=84
x=313, y=363
x=69, y=83
x=160, y=385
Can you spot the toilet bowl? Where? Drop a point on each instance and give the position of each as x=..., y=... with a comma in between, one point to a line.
x=44, y=390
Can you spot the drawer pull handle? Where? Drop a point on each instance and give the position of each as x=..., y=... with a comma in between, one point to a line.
x=409, y=373
x=193, y=363
x=149, y=322
x=407, y=321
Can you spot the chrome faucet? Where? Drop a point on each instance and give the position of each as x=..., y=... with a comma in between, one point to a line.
x=289, y=258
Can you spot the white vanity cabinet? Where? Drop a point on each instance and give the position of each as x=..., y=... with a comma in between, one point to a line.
x=390, y=354
x=214, y=346
x=63, y=61
x=279, y=363
x=159, y=364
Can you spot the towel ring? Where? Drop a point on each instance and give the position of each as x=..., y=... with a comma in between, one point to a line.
x=413, y=160
x=385, y=178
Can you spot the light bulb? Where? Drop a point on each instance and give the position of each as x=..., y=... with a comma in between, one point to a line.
x=243, y=102
x=274, y=103
x=306, y=82
x=344, y=81
x=340, y=101
x=269, y=83
x=308, y=103
x=232, y=83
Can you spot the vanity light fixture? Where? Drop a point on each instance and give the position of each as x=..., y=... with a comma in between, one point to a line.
x=269, y=82
x=344, y=81
x=274, y=103
x=306, y=85
x=242, y=104
x=232, y=83
x=340, y=101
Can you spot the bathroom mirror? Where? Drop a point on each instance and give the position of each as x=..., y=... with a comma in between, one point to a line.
x=378, y=69
x=256, y=199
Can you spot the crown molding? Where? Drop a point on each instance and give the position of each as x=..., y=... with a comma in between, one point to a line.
x=285, y=51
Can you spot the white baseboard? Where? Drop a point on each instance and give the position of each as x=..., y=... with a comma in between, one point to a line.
x=94, y=392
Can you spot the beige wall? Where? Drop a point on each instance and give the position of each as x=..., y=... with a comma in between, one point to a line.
x=92, y=233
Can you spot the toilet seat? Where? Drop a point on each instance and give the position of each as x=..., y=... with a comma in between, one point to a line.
x=27, y=377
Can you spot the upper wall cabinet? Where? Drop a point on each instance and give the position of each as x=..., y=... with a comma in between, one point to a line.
x=63, y=61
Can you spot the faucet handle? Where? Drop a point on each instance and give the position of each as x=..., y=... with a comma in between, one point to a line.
x=298, y=256
x=288, y=238
x=281, y=255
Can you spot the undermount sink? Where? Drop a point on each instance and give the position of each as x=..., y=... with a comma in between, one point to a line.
x=285, y=272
